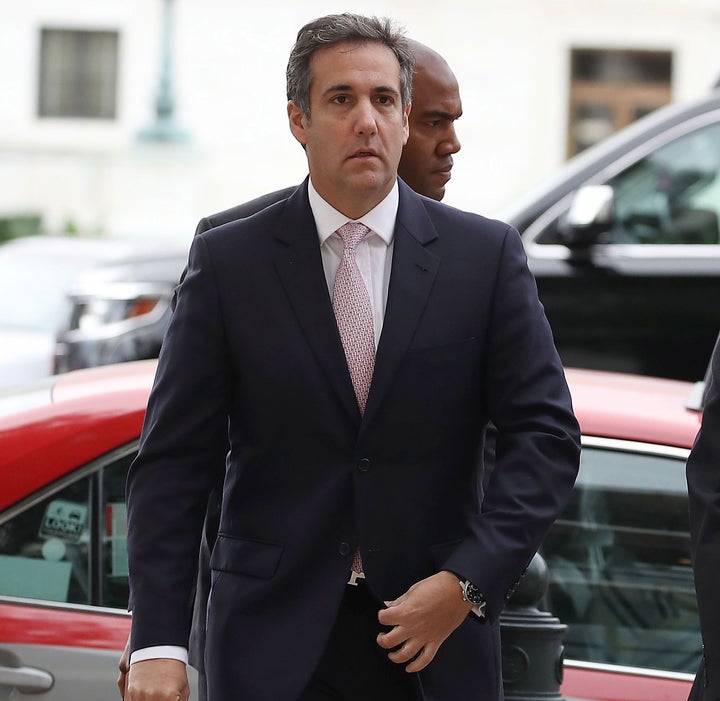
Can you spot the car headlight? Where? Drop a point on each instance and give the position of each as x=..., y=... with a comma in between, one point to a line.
x=92, y=314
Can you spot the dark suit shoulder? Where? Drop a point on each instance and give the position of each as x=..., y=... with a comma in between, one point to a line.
x=457, y=219
x=241, y=211
x=417, y=210
x=248, y=233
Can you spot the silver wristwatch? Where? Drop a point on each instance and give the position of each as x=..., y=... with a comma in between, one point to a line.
x=472, y=595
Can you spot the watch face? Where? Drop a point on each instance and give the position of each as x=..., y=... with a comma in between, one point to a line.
x=473, y=594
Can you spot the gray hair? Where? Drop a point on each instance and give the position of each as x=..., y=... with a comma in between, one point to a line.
x=337, y=29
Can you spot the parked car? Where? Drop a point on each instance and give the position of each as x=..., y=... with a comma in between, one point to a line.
x=65, y=446
x=120, y=311
x=618, y=556
x=37, y=273
x=625, y=245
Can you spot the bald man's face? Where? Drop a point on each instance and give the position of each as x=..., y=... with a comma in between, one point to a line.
x=426, y=159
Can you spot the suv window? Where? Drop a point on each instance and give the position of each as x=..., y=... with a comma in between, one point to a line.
x=70, y=545
x=672, y=196
x=619, y=563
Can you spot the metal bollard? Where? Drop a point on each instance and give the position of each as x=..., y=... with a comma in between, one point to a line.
x=532, y=651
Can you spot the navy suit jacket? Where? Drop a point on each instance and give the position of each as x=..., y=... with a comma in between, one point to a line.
x=253, y=351
x=241, y=211
x=703, y=477
x=196, y=651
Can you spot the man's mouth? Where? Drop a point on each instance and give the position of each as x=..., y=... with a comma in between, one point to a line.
x=364, y=154
x=443, y=172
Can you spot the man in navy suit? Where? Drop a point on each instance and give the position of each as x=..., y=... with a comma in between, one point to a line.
x=426, y=164
x=322, y=478
x=703, y=477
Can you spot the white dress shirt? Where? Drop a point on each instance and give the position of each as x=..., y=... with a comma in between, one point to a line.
x=373, y=254
x=374, y=259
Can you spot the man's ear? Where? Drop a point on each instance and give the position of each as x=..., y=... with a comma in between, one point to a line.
x=406, y=123
x=298, y=121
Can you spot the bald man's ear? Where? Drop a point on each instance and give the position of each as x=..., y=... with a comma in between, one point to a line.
x=298, y=122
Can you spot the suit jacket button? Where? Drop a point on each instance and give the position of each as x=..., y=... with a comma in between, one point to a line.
x=364, y=465
x=345, y=549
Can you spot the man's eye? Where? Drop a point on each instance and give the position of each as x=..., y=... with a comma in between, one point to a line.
x=385, y=99
x=434, y=123
x=340, y=99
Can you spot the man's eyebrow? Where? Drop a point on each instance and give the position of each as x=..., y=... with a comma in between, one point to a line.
x=346, y=87
x=440, y=114
x=340, y=87
x=386, y=89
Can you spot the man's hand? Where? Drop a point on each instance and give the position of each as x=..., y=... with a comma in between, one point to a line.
x=422, y=619
x=124, y=667
x=157, y=680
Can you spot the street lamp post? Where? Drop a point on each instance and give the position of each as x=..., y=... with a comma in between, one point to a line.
x=165, y=128
x=532, y=652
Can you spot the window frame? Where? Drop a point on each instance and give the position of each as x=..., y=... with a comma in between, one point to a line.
x=621, y=95
x=94, y=471
x=649, y=449
x=51, y=108
x=601, y=177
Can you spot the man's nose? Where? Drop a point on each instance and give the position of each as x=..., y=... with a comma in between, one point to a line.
x=365, y=118
x=450, y=144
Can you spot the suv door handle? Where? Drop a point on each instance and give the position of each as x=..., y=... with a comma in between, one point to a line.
x=27, y=680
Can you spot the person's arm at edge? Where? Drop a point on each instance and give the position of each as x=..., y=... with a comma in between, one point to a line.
x=703, y=478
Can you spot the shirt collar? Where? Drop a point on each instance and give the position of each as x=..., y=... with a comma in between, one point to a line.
x=380, y=219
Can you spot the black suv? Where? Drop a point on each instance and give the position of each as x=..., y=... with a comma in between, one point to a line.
x=625, y=245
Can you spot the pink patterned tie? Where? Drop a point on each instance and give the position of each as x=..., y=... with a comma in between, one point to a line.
x=354, y=313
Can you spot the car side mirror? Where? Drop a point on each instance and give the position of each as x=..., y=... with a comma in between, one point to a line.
x=590, y=214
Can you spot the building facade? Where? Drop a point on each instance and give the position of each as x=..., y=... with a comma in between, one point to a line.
x=84, y=83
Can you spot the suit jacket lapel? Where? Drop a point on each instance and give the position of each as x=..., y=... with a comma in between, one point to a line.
x=413, y=272
x=299, y=264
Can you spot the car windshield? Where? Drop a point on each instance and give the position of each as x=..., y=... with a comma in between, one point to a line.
x=35, y=283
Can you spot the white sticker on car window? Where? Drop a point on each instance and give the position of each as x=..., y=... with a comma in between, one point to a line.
x=65, y=520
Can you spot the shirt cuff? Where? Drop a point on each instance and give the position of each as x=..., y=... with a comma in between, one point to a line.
x=166, y=652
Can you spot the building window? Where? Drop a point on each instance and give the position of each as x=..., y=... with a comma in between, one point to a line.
x=78, y=74
x=611, y=88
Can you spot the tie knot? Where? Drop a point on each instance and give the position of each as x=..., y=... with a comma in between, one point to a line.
x=352, y=233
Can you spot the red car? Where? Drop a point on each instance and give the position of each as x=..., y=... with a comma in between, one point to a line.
x=618, y=557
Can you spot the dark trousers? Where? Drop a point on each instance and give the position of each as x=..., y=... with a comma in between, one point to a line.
x=354, y=667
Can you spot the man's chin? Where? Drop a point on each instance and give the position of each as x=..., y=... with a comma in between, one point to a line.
x=434, y=192
x=372, y=182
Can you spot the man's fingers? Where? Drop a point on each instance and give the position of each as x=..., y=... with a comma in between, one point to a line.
x=157, y=680
x=391, y=639
x=122, y=677
x=391, y=615
x=124, y=667
x=426, y=656
x=124, y=661
x=406, y=652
